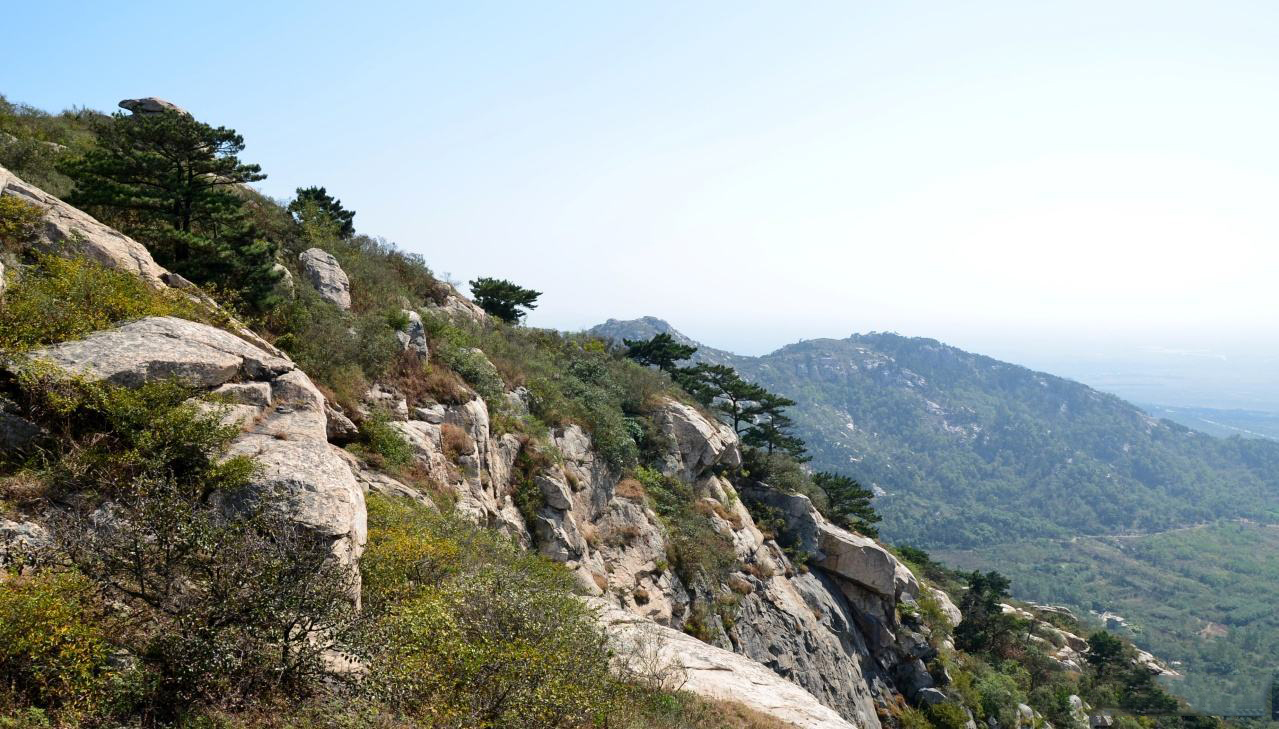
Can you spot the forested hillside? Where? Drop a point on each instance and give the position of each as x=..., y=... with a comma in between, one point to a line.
x=971, y=451
x=998, y=466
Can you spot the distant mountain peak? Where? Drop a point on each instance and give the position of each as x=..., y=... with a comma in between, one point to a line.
x=647, y=327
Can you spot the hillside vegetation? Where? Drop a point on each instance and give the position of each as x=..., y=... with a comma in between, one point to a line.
x=400, y=523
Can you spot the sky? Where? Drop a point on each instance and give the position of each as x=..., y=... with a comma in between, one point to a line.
x=1046, y=182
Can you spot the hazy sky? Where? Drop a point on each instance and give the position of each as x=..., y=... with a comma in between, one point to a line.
x=1007, y=176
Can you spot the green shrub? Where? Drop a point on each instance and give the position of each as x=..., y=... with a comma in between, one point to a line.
x=947, y=716
x=228, y=601
x=53, y=650
x=473, y=631
x=19, y=222
x=384, y=443
x=59, y=299
x=699, y=554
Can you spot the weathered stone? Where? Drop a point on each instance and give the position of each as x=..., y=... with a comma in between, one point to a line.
x=861, y=560
x=930, y=696
x=338, y=427
x=700, y=443
x=19, y=539
x=164, y=347
x=460, y=308
x=413, y=336
x=284, y=286
x=947, y=606
x=151, y=105
x=69, y=232
x=715, y=673
x=322, y=270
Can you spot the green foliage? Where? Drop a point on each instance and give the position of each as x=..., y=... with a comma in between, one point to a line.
x=848, y=503
x=1202, y=597
x=227, y=600
x=19, y=222
x=170, y=181
x=53, y=649
x=985, y=627
x=41, y=140
x=473, y=631
x=946, y=716
x=662, y=351
x=384, y=443
x=316, y=200
x=57, y=299
x=699, y=554
x=503, y=299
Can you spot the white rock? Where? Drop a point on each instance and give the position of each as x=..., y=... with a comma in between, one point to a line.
x=164, y=347
x=712, y=672
x=69, y=232
x=700, y=442
x=151, y=105
x=322, y=270
x=413, y=336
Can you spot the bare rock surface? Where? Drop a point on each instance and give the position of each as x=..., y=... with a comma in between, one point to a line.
x=282, y=413
x=716, y=673
x=69, y=232
x=322, y=270
x=151, y=105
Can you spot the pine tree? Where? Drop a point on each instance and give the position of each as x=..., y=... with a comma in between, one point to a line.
x=662, y=351
x=770, y=427
x=170, y=181
x=848, y=503
x=720, y=388
x=318, y=199
x=503, y=299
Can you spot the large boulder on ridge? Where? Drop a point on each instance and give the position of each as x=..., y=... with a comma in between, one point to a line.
x=151, y=105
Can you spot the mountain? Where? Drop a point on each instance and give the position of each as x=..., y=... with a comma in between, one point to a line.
x=372, y=503
x=1080, y=497
x=969, y=451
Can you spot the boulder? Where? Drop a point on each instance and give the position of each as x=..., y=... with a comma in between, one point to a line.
x=281, y=410
x=151, y=105
x=711, y=672
x=947, y=605
x=284, y=284
x=164, y=347
x=322, y=270
x=69, y=232
x=413, y=336
x=861, y=560
x=18, y=539
x=459, y=308
x=700, y=442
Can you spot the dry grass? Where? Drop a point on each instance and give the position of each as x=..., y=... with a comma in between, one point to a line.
x=758, y=571
x=740, y=585
x=600, y=581
x=629, y=488
x=455, y=442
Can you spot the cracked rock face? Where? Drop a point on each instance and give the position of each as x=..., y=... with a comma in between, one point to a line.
x=281, y=413
x=69, y=232
x=714, y=672
x=322, y=270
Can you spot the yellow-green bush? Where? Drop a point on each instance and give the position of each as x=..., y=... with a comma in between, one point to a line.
x=53, y=652
x=19, y=222
x=59, y=299
x=471, y=631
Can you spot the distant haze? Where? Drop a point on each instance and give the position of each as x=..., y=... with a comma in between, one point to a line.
x=1087, y=188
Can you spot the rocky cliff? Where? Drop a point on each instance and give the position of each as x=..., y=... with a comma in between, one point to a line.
x=837, y=647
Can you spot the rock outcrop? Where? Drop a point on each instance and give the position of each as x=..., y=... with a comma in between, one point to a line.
x=330, y=281
x=151, y=105
x=714, y=672
x=70, y=232
x=413, y=336
x=280, y=411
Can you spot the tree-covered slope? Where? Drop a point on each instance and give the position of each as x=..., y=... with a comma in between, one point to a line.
x=969, y=451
